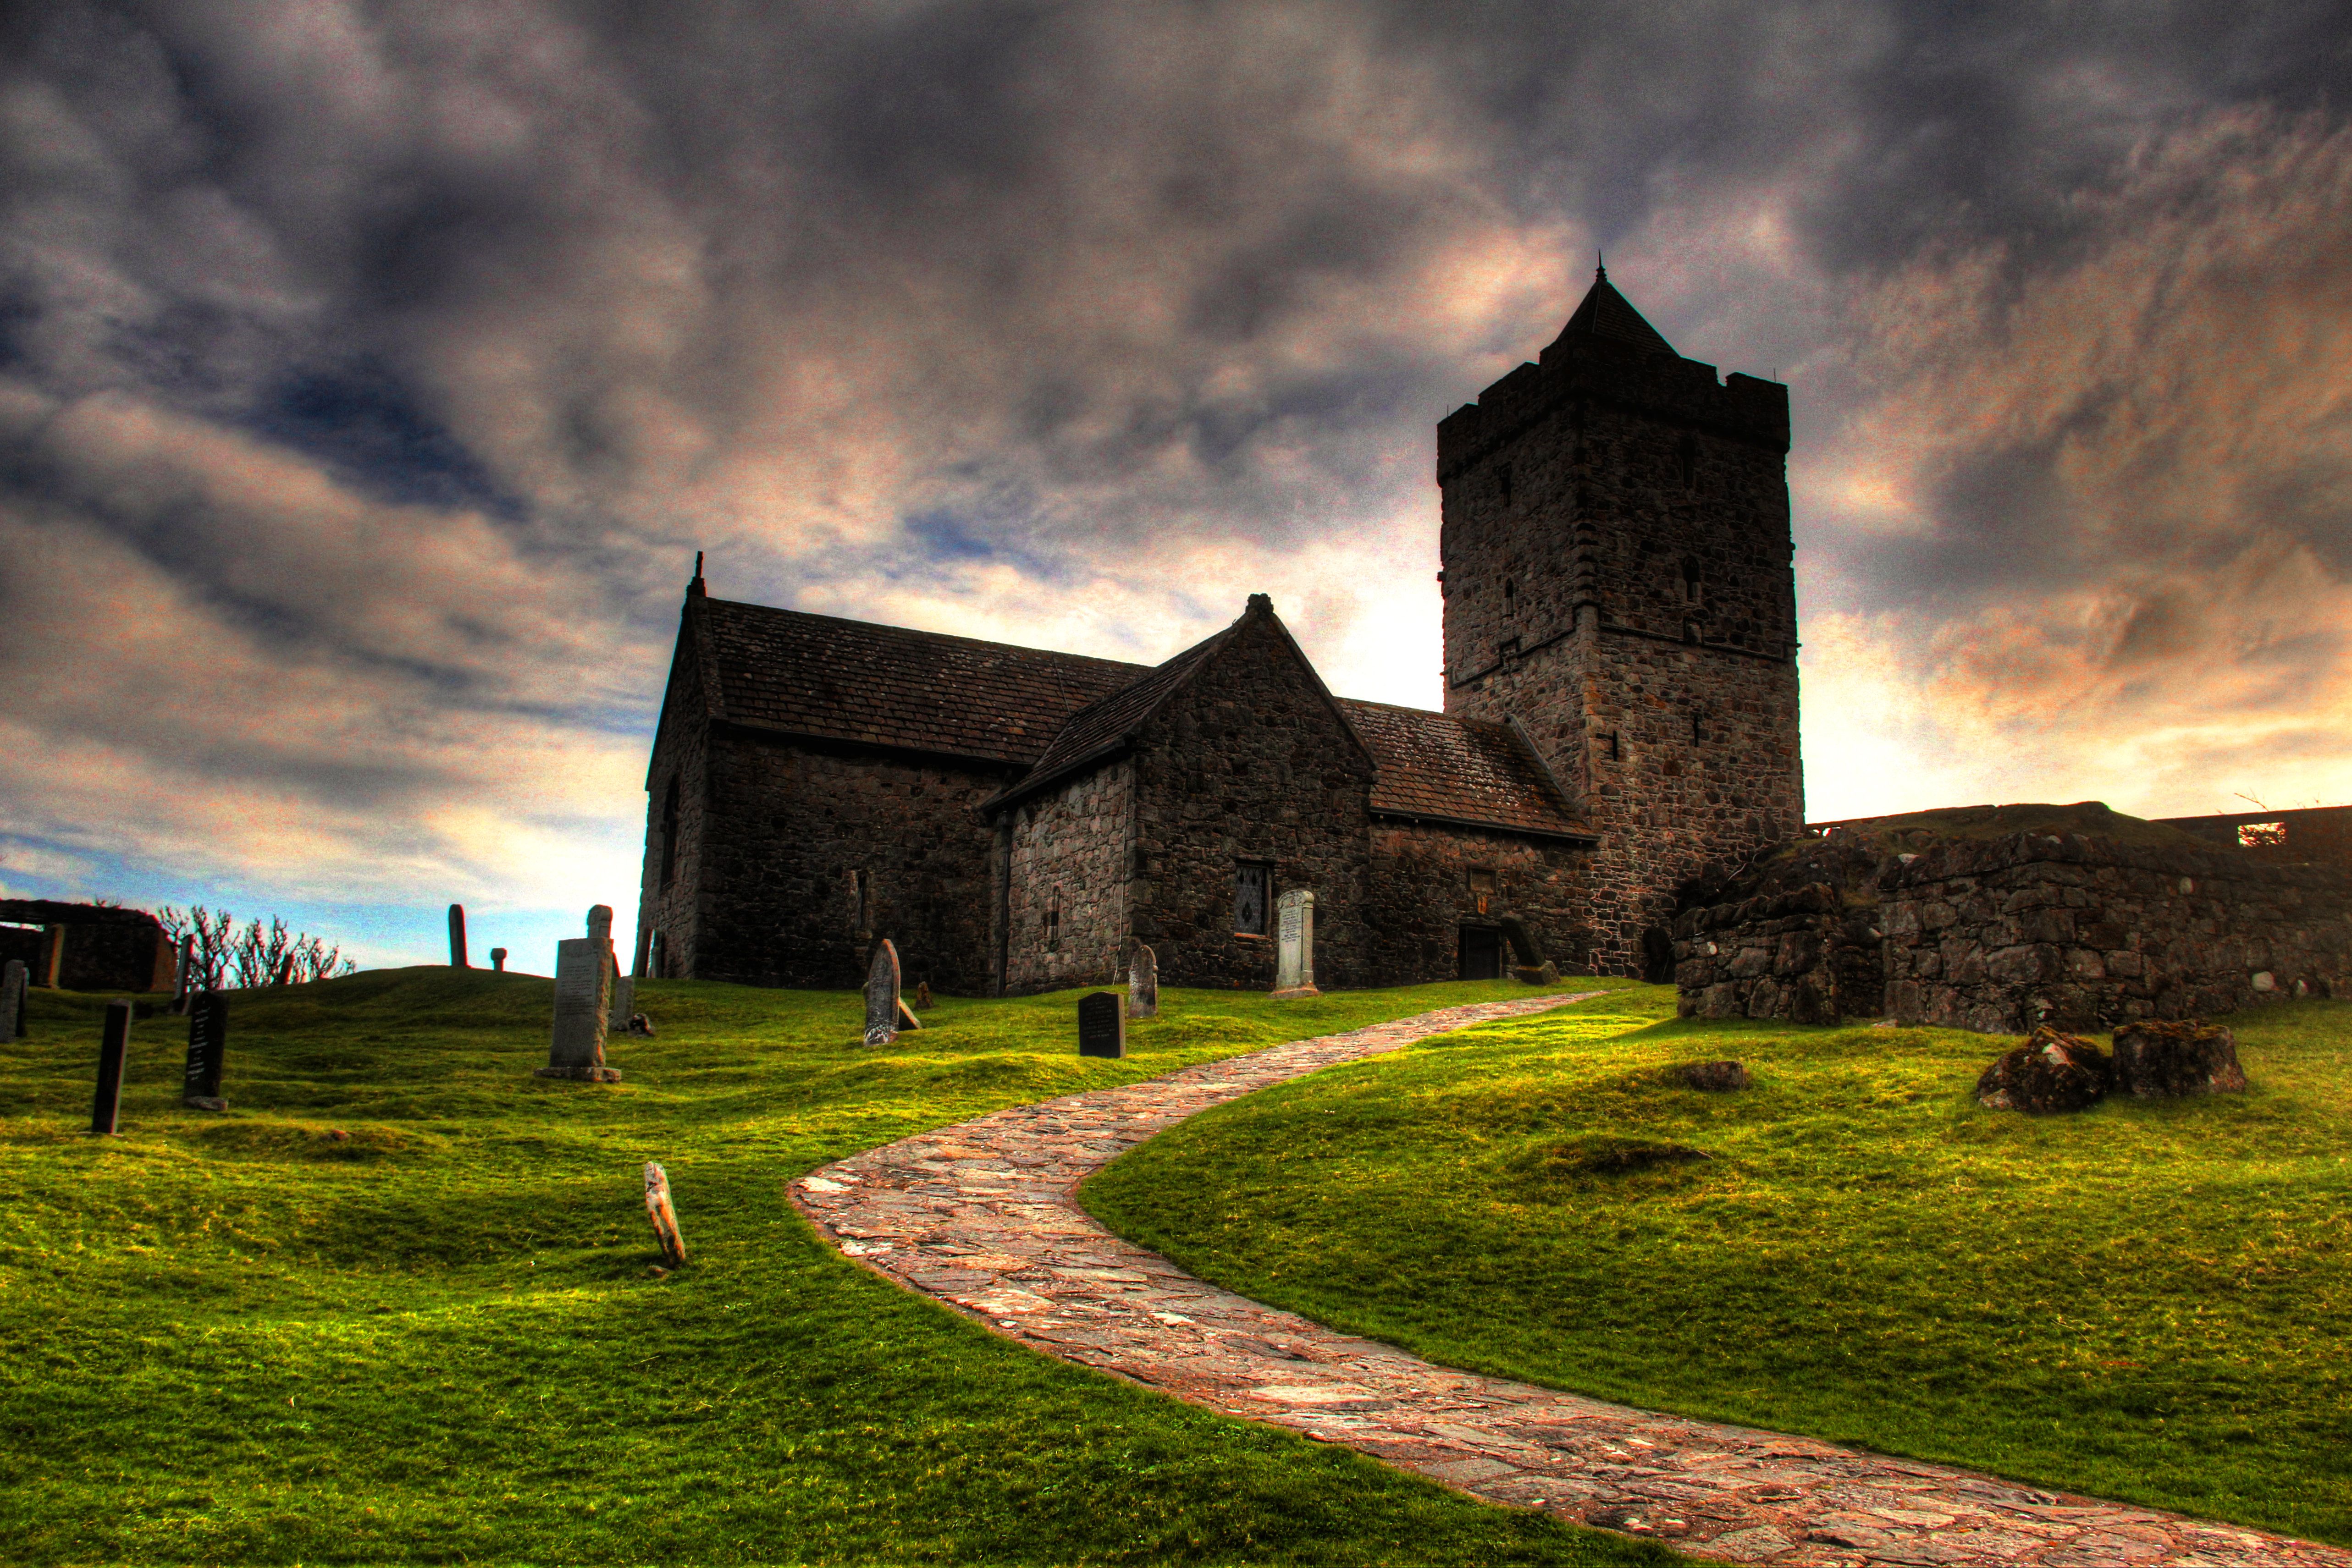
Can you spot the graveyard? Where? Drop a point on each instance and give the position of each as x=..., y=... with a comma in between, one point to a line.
x=399, y=1300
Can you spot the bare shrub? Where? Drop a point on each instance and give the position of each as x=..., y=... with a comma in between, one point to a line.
x=225, y=955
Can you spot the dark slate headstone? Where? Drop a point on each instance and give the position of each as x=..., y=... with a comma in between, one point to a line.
x=1143, y=984
x=12, y=981
x=457, y=936
x=106, y=1110
x=882, y=1005
x=208, y=1046
x=1102, y=1025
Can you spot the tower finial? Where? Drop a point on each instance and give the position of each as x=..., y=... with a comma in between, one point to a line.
x=694, y=589
x=1600, y=267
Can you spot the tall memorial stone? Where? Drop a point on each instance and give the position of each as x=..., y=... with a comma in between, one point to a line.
x=12, y=981
x=1102, y=1025
x=207, y=1048
x=113, y=1049
x=583, y=1003
x=457, y=936
x=625, y=1002
x=883, y=1008
x=1143, y=984
x=1294, y=945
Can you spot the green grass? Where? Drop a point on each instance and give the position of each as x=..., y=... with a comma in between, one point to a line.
x=2149, y=1302
x=437, y=1338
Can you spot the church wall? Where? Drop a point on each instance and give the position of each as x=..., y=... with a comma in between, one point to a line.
x=1250, y=762
x=1070, y=857
x=780, y=903
x=1421, y=896
x=669, y=910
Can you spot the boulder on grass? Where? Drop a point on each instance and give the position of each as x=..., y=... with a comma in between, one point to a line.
x=2161, y=1059
x=1715, y=1075
x=2049, y=1072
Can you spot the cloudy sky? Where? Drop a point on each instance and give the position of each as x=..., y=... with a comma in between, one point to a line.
x=370, y=372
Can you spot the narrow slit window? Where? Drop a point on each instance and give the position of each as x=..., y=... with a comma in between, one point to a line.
x=1510, y=597
x=1054, y=920
x=1690, y=580
x=1686, y=458
x=1698, y=727
x=1503, y=483
x=669, y=832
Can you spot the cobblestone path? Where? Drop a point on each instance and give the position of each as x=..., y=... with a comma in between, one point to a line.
x=983, y=1216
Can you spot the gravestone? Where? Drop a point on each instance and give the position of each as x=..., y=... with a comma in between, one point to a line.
x=12, y=981
x=1102, y=1025
x=625, y=1002
x=1294, y=945
x=583, y=978
x=882, y=1003
x=498, y=959
x=664, y=1215
x=1143, y=984
x=114, y=1046
x=457, y=936
x=208, y=1046
x=181, y=992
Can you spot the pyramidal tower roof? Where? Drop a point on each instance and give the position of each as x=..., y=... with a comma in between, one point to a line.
x=1606, y=316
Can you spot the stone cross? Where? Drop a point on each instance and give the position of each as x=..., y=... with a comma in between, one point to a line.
x=457, y=936
x=498, y=959
x=1294, y=945
x=1143, y=984
x=114, y=1046
x=1102, y=1025
x=12, y=980
x=584, y=1003
x=883, y=1006
x=208, y=1044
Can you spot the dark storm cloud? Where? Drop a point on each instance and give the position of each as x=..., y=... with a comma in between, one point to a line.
x=384, y=362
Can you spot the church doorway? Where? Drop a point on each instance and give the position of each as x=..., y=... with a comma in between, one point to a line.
x=1482, y=952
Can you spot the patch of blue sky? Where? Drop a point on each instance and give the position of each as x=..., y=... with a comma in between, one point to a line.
x=360, y=420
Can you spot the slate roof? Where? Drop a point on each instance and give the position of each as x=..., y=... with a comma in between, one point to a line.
x=1459, y=769
x=888, y=685
x=1607, y=315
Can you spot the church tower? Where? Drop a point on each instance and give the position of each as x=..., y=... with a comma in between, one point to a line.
x=1618, y=581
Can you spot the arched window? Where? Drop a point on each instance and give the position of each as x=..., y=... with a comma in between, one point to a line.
x=1510, y=597
x=1690, y=580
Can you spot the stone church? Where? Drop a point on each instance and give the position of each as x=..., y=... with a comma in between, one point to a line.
x=1620, y=713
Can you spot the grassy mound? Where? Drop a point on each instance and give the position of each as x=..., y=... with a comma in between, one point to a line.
x=395, y=1305
x=2149, y=1300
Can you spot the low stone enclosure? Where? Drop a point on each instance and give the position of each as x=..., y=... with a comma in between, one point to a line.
x=2001, y=919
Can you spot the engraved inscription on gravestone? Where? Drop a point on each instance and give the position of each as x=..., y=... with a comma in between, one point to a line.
x=207, y=1047
x=1102, y=1025
x=882, y=1004
x=583, y=978
x=12, y=980
x=1143, y=984
x=1294, y=945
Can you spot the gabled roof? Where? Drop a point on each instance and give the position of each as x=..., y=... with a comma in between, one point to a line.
x=1443, y=769
x=889, y=686
x=1606, y=316
x=1110, y=720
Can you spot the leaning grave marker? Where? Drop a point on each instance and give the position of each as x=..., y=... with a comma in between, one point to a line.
x=1143, y=984
x=584, y=999
x=1294, y=963
x=1102, y=1025
x=882, y=1004
x=207, y=1049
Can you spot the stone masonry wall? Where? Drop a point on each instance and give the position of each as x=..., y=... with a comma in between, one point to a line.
x=672, y=909
x=1617, y=555
x=1248, y=762
x=780, y=857
x=2001, y=934
x=1072, y=849
x=1420, y=897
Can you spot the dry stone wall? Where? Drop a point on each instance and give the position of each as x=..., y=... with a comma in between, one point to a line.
x=2003, y=934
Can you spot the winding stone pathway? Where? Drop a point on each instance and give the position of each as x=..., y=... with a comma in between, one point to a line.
x=983, y=1216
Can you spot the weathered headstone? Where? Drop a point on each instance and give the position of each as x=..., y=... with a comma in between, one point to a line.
x=457, y=936
x=583, y=1005
x=498, y=959
x=882, y=1004
x=1143, y=984
x=207, y=1047
x=1294, y=945
x=625, y=1002
x=114, y=1046
x=12, y=981
x=183, y=989
x=1102, y=1025
x=665, y=1217
x=923, y=995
